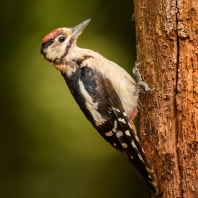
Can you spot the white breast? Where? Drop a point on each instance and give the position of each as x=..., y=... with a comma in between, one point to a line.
x=123, y=83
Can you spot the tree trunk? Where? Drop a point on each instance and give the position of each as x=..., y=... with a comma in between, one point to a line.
x=167, y=46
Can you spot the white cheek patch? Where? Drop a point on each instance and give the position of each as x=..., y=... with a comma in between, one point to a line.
x=91, y=106
x=54, y=51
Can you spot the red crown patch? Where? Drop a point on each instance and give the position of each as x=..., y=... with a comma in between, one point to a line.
x=52, y=34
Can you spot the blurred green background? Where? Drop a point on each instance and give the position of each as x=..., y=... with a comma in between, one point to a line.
x=47, y=147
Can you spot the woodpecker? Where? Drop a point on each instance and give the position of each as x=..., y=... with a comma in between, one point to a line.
x=104, y=91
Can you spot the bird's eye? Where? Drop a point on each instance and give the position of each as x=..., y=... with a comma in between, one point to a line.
x=61, y=39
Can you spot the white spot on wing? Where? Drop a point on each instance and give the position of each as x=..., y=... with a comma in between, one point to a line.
x=119, y=134
x=114, y=144
x=133, y=144
x=115, y=126
x=137, y=138
x=122, y=120
x=127, y=133
x=124, y=145
x=116, y=109
x=124, y=114
x=148, y=169
x=91, y=106
x=108, y=134
x=129, y=125
x=140, y=157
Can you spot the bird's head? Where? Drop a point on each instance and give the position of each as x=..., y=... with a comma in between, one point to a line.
x=56, y=45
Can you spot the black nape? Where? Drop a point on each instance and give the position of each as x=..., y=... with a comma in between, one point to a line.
x=44, y=45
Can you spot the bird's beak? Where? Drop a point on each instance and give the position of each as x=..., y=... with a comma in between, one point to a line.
x=77, y=30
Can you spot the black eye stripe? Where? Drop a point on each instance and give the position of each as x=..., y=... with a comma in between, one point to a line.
x=48, y=43
x=44, y=45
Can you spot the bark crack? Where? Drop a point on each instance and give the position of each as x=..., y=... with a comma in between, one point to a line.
x=176, y=92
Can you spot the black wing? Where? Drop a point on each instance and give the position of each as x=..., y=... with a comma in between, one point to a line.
x=129, y=140
x=112, y=124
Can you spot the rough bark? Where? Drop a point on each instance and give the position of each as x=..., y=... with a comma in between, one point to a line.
x=167, y=46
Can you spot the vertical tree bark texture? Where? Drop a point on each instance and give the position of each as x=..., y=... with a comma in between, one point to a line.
x=167, y=46
x=187, y=96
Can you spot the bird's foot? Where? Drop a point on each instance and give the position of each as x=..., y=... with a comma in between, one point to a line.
x=140, y=83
